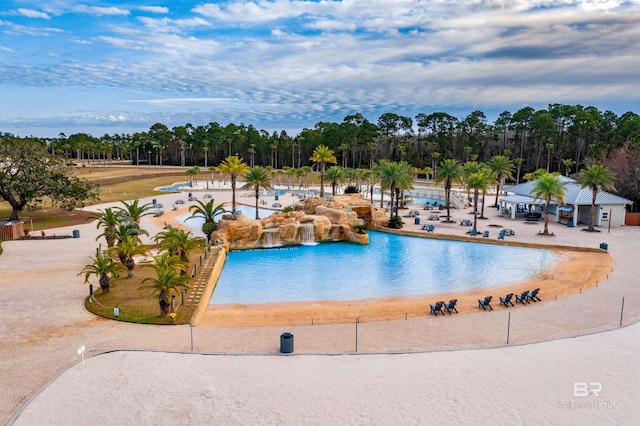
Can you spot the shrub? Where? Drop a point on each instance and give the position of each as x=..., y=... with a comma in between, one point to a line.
x=351, y=189
x=395, y=222
x=288, y=209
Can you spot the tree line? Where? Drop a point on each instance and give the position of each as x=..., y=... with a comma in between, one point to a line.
x=561, y=138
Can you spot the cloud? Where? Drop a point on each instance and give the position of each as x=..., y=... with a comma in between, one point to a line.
x=30, y=13
x=169, y=101
x=154, y=9
x=101, y=11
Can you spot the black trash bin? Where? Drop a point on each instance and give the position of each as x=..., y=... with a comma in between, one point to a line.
x=277, y=198
x=76, y=233
x=286, y=343
x=416, y=221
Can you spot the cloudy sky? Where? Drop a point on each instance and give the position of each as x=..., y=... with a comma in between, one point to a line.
x=119, y=66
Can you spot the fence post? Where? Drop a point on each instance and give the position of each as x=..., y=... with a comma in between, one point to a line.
x=191, y=330
x=508, y=326
x=357, y=321
x=621, y=311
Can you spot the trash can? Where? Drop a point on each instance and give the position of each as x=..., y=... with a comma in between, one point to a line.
x=276, y=198
x=154, y=201
x=286, y=343
x=416, y=221
x=604, y=246
x=76, y=233
x=570, y=224
x=440, y=206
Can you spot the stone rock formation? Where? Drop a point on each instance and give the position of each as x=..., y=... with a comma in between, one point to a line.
x=343, y=218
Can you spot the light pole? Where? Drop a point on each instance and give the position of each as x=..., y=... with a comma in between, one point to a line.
x=149, y=157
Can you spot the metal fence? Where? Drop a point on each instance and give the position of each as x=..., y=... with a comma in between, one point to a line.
x=26, y=366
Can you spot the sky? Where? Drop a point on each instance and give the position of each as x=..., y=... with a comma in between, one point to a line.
x=105, y=67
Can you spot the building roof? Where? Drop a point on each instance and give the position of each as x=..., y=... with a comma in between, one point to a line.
x=574, y=194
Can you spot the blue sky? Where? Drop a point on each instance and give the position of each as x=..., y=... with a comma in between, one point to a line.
x=120, y=66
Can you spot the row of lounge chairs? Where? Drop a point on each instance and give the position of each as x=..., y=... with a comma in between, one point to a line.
x=525, y=298
x=439, y=306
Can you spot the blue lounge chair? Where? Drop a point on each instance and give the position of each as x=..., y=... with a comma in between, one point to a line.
x=451, y=306
x=473, y=232
x=486, y=303
x=501, y=235
x=485, y=234
x=523, y=298
x=437, y=308
x=533, y=295
x=430, y=228
x=506, y=301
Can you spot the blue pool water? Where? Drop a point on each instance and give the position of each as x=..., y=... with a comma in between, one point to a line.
x=389, y=266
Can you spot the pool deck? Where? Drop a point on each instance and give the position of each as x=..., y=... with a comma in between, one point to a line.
x=43, y=322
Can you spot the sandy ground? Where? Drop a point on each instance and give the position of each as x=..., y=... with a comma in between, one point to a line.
x=43, y=324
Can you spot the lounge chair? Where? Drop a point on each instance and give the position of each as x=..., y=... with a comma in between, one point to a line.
x=473, y=232
x=533, y=295
x=523, y=298
x=437, y=308
x=485, y=234
x=486, y=303
x=430, y=228
x=451, y=306
x=506, y=301
x=501, y=235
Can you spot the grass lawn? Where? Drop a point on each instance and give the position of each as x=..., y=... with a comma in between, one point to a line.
x=135, y=305
x=111, y=190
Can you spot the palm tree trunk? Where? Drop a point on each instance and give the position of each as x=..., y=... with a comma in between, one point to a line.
x=592, y=214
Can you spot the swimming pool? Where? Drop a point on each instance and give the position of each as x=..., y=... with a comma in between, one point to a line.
x=389, y=266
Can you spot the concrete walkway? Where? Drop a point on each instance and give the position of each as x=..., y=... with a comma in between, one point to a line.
x=43, y=322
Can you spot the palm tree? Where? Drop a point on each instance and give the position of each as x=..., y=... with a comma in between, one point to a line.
x=191, y=173
x=396, y=177
x=449, y=171
x=596, y=177
x=168, y=279
x=502, y=168
x=335, y=175
x=478, y=181
x=109, y=219
x=127, y=249
x=209, y=213
x=234, y=166
x=177, y=242
x=256, y=178
x=103, y=267
x=323, y=155
x=549, y=186
x=133, y=212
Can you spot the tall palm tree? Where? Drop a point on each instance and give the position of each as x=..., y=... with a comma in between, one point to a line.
x=127, y=249
x=177, y=242
x=104, y=268
x=336, y=175
x=469, y=168
x=133, y=212
x=168, y=280
x=323, y=155
x=596, y=177
x=256, y=178
x=478, y=182
x=397, y=177
x=234, y=166
x=502, y=168
x=209, y=212
x=549, y=186
x=449, y=171
x=108, y=220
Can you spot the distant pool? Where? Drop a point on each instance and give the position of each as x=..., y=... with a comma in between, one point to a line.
x=389, y=266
